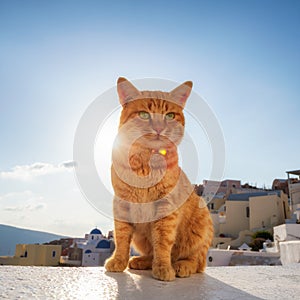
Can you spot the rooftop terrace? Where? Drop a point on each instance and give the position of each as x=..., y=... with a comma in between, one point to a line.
x=245, y=282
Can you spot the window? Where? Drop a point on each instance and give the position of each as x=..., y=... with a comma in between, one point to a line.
x=212, y=206
x=247, y=212
x=26, y=253
x=53, y=253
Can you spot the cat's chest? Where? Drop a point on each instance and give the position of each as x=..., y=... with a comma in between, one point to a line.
x=154, y=191
x=144, y=195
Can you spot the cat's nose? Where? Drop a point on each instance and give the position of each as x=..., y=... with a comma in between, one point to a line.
x=158, y=129
x=157, y=123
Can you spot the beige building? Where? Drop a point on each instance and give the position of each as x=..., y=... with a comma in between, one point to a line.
x=249, y=212
x=216, y=192
x=210, y=188
x=294, y=189
x=33, y=255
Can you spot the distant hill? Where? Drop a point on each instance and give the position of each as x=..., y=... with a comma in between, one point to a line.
x=10, y=236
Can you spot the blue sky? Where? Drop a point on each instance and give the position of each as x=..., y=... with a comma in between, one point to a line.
x=56, y=57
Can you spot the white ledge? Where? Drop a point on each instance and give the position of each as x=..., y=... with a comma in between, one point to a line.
x=245, y=282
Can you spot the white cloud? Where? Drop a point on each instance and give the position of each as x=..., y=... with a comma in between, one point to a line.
x=68, y=164
x=27, y=207
x=17, y=195
x=28, y=172
x=22, y=201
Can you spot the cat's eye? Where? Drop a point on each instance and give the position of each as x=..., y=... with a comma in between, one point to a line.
x=170, y=116
x=144, y=115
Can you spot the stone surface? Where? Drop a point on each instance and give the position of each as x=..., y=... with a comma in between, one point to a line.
x=245, y=282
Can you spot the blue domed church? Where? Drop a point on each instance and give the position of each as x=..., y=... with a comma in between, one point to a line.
x=95, y=247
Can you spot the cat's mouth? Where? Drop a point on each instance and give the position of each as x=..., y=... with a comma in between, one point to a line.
x=162, y=140
x=156, y=140
x=156, y=137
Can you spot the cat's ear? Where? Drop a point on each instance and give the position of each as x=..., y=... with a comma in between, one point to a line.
x=181, y=93
x=126, y=90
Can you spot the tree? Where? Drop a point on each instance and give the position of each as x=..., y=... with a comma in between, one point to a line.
x=259, y=237
x=263, y=234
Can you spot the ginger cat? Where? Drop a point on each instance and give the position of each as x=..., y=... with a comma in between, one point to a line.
x=155, y=206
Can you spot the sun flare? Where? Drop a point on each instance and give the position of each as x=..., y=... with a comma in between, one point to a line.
x=103, y=147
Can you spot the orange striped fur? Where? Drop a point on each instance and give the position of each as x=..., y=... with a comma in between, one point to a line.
x=175, y=244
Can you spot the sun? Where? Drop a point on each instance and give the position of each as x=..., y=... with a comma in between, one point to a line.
x=103, y=147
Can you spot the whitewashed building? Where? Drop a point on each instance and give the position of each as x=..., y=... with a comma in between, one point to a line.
x=95, y=248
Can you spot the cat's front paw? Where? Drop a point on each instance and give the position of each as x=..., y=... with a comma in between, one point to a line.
x=163, y=272
x=115, y=265
x=183, y=268
x=140, y=262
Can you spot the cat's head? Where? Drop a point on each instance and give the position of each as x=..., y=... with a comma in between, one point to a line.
x=154, y=119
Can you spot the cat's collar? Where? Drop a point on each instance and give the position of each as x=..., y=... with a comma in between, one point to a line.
x=160, y=151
